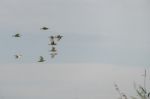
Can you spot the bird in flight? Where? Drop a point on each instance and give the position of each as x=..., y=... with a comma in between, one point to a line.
x=51, y=38
x=41, y=59
x=53, y=49
x=17, y=56
x=17, y=35
x=53, y=55
x=58, y=37
x=52, y=43
x=44, y=28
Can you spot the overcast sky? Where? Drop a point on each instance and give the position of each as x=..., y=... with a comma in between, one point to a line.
x=95, y=31
x=68, y=81
x=112, y=34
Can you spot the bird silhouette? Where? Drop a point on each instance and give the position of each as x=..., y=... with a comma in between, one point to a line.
x=52, y=43
x=58, y=37
x=17, y=35
x=53, y=49
x=51, y=38
x=53, y=55
x=44, y=28
x=17, y=56
x=41, y=59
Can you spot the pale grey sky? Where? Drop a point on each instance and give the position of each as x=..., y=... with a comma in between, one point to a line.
x=68, y=81
x=113, y=34
x=95, y=31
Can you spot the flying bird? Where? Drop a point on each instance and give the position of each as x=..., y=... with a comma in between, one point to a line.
x=41, y=59
x=17, y=35
x=17, y=56
x=58, y=37
x=52, y=43
x=53, y=55
x=44, y=28
x=51, y=38
x=53, y=49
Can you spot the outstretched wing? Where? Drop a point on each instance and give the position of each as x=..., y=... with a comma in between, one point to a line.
x=41, y=58
x=16, y=35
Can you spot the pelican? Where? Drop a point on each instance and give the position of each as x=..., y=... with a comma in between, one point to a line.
x=41, y=59
x=17, y=35
x=53, y=49
x=17, y=56
x=44, y=28
x=58, y=37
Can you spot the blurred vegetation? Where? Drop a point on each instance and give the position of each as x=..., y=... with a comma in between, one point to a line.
x=141, y=90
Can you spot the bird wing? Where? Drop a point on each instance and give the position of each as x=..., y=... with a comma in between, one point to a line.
x=41, y=58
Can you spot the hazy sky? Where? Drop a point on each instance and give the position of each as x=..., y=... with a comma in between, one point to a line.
x=112, y=34
x=95, y=31
x=68, y=81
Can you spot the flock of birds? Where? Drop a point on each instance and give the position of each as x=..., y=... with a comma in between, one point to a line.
x=53, y=41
